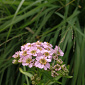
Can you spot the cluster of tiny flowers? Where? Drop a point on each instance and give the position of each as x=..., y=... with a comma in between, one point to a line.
x=59, y=69
x=37, y=54
x=35, y=79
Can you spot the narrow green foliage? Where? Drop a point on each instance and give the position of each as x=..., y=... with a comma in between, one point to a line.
x=59, y=22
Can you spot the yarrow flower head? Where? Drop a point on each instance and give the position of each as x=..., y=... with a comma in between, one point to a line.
x=41, y=57
x=38, y=54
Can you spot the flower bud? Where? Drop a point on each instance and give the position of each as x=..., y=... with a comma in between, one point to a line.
x=55, y=56
x=38, y=78
x=35, y=75
x=57, y=67
x=33, y=82
x=15, y=61
x=59, y=61
x=54, y=74
x=63, y=67
x=32, y=78
x=66, y=70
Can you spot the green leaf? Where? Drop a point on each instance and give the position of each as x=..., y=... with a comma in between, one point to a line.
x=69, y=76
x=25, y=73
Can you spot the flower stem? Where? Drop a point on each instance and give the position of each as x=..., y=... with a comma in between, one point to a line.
x=26, y=76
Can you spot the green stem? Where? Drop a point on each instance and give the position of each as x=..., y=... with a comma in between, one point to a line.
x=26, y=76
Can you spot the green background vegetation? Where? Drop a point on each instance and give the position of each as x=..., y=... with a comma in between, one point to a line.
x=59, y=22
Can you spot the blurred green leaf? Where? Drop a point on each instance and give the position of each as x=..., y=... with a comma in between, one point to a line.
x=25, y=73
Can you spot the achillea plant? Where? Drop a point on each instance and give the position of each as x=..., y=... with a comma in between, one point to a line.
x=41, y=57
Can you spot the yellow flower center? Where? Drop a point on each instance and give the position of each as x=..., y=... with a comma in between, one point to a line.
x=48, y=44
x=38, y=43
x=57, y=67
x=17, y=56
x=28, y=60
x=46, y=54
x=24, y=53
x=58, y=53
x=29, y=45
x=54, y=54
x=48, y=49
x=33, y=51
x=39, y=48
x=43, y=61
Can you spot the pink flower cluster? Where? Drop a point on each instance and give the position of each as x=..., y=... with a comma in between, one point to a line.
x=38, y=54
